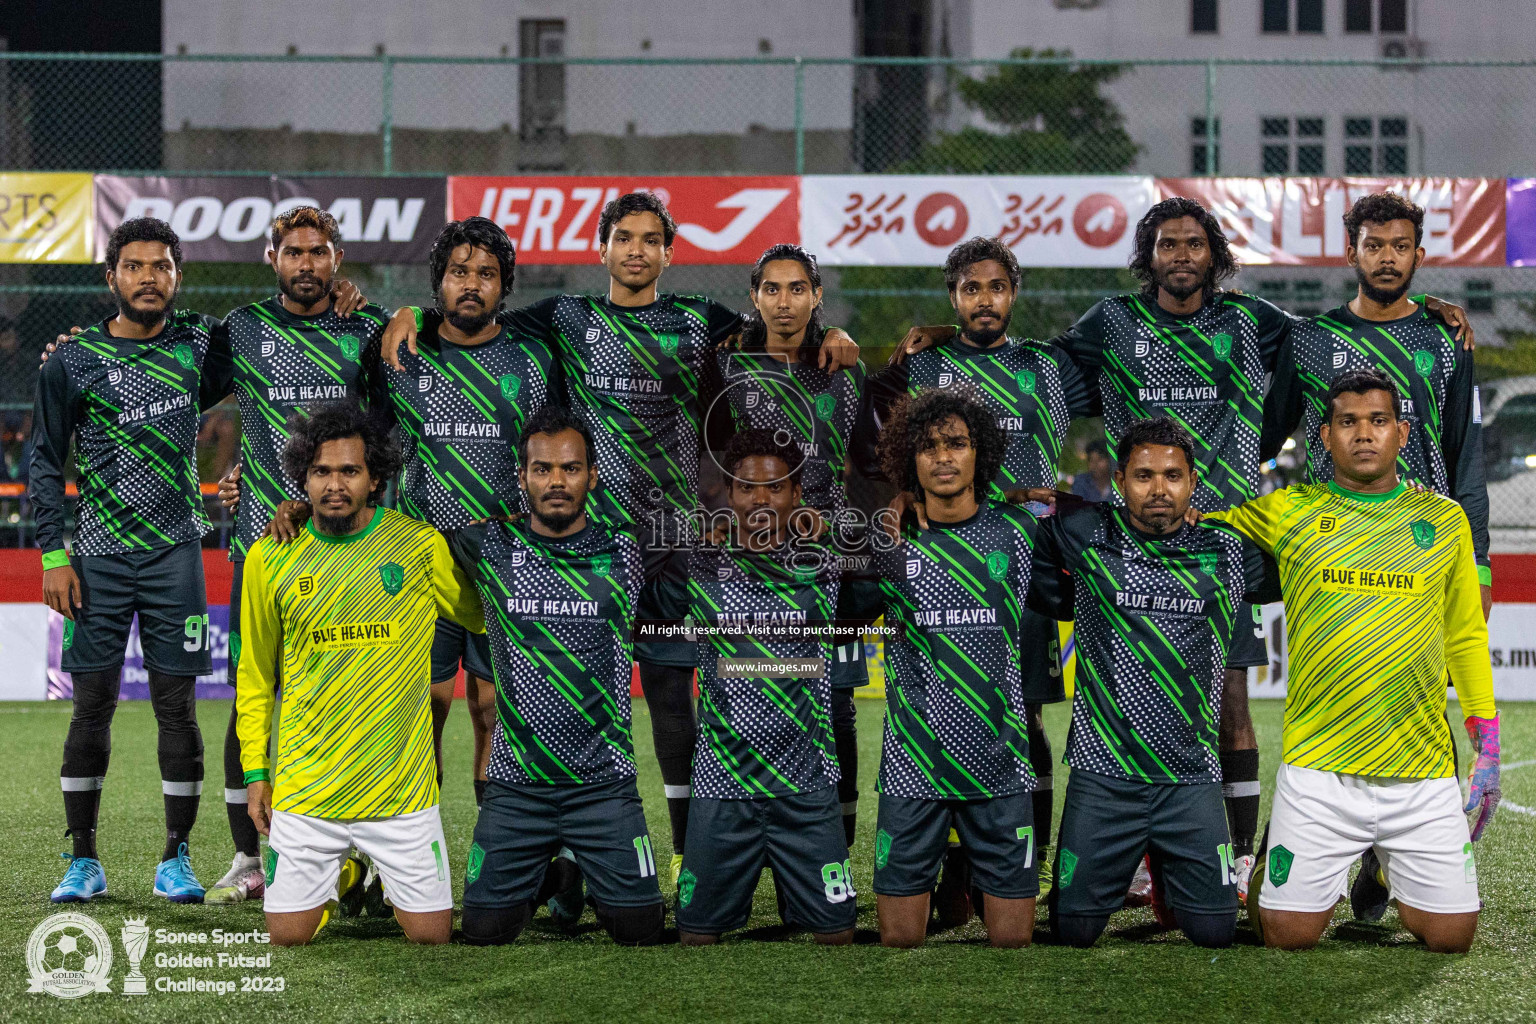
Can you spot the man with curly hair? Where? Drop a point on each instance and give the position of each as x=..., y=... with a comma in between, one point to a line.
x=345, y=614
x=956, y=751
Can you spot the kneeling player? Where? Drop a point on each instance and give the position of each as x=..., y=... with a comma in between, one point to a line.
x=560, y=593
x=1156, y=603
x=1368, y=761
x=347, y=612
x=765, y=768
x=955, y=748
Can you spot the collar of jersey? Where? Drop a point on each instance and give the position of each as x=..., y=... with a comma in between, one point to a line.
x=981, y=508
x=378, y=513
x=1343, y=312
x=282, y=313
x=1345, y=492
x=970, y=349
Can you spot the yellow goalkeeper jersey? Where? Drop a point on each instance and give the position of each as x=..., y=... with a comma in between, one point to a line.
x=1381, y=600
x=346, y=623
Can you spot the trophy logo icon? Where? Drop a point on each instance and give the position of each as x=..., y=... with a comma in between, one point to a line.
x=135, y=940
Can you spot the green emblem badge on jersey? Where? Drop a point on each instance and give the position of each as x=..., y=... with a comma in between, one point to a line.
x=685, y=883
x=184, y=356
x=1025, y=379
x=1423, y=362
x=1207, y=560
x=393, y=577
x=269, y=863
x=511, y=384
x=602, y=565
x=882, y=848
x=997, y=565
x=825, y=405
x=1066, y=865
x=476, y=860
x=349, y=346
x=1423, y=534
x=234, y=649
x=1222, y=343
x=1280, y=864
x=69, y=633
x=668, y=343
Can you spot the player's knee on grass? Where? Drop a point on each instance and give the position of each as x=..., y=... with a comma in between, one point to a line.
x=494, y=926
x=697, y=939
x=1213, y=931
x=633, y=926
x=842, y=938
x=1292, y=929
x=433, y=928
x=1078, y=930
x=294, y=929
x=1440, y=933
x=903, y=920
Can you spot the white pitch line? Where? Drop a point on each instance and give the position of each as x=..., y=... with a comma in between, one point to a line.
x=1518, y=808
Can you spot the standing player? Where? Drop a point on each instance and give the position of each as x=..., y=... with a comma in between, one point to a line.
x=345, y=614
x=772, y=382
x=560, y=592
x=1368, y=760
x=128, y=393
x=956, y=749
x=765, y=770
x=633, y=362
x=289, y=351
x=1154, y=601
x=1034, y=390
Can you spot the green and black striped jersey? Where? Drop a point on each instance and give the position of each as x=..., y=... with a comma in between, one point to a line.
x=284, y=363
x=1153, y=617
x=461, y=410
x=560, y=614
x=954, y=723
x=132, y=407
x=1206, y=371
x=1433, y=372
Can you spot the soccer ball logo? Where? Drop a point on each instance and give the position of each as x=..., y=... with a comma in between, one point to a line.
x=69, y=955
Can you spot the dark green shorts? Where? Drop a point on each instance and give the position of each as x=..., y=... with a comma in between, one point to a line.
x=452, y=644
x=850, y=669
x=1109, y=824
x=1040, y=649
x=730, y=842
x=1247, y=648
x=165, y=587
x=522, y=827
x=912, y=835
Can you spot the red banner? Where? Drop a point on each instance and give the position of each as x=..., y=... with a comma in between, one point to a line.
x=554, y=219
x=1300, y=221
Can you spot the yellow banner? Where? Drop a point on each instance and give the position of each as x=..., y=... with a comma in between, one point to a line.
x=46, y=218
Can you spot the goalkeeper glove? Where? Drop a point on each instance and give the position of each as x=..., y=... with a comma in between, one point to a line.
x=1483, y=784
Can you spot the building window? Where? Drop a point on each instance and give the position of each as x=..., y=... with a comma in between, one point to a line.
x=1309, y=16
x=1391, y=16
x=1202, y=161
x=1291, y=145
x=1479, y=295
x=1357, y=15
x=541, y=87
x=1394, y=16
x=1375, y=145
x=1203, y=16
x=1276, y=16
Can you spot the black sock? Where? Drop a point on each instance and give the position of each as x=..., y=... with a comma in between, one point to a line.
x=80, y=809
x=180, y=753
x=241, y=828
x=845, y=738
x=668, y=693
x=1240, y=788
x=1044, y=800
x=87, y=751
x=479, y=792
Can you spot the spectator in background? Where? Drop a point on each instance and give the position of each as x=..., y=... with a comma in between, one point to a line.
x=1094, y=483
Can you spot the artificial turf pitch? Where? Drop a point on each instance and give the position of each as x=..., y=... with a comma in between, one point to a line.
x=363, y=970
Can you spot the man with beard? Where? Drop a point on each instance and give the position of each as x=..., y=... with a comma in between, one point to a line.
x=128, y=393
x=1383, y=328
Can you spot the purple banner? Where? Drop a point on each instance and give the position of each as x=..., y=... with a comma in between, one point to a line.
x=1520, y=222
x=135, y=686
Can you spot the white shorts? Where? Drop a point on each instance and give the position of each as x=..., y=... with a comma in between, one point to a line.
x=1322, y=822
x=409, y=850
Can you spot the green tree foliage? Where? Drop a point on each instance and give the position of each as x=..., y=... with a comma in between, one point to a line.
x=1515, y=358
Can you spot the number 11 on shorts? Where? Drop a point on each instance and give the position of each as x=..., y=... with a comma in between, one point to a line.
x=644, y=855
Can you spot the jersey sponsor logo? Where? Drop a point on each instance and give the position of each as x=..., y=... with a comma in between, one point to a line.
x=1207, y=561
x=1423, y=362
x=593, y=334
x=668, y=343
x=268, y=346
x=826, y=405
x=1143, y=346
x=1201, y=393
x=551, y=608
x=114, y=376
x=393, y=577
x=1327, y=524
x=345, y=636
x=955, y=617
x=1153, y=603
x=1025, y=379
x=685, y=883
x=511, y=384
x=1222, y=343
x=1280, y=865
x=882, y=848
x=349, y=346
x=423, y=384
x=1339, y=359
x=1340, y=580
x=184, y=356
x=1423, y=533
x=518, y=558
x=997, y=565
x=914, y=566
x=752, y=399
x=602, y=565
x=305, y=585
x=946, y=379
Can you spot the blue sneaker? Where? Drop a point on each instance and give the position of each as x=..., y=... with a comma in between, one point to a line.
x=83, y=882
x=175, y=881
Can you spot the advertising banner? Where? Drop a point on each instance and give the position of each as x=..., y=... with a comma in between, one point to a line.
x=382, y=220
x=553, y=219
x=914, y=220
x=135, y=684
x=45, y=218
x=1520, y=222
x=1300, y=221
